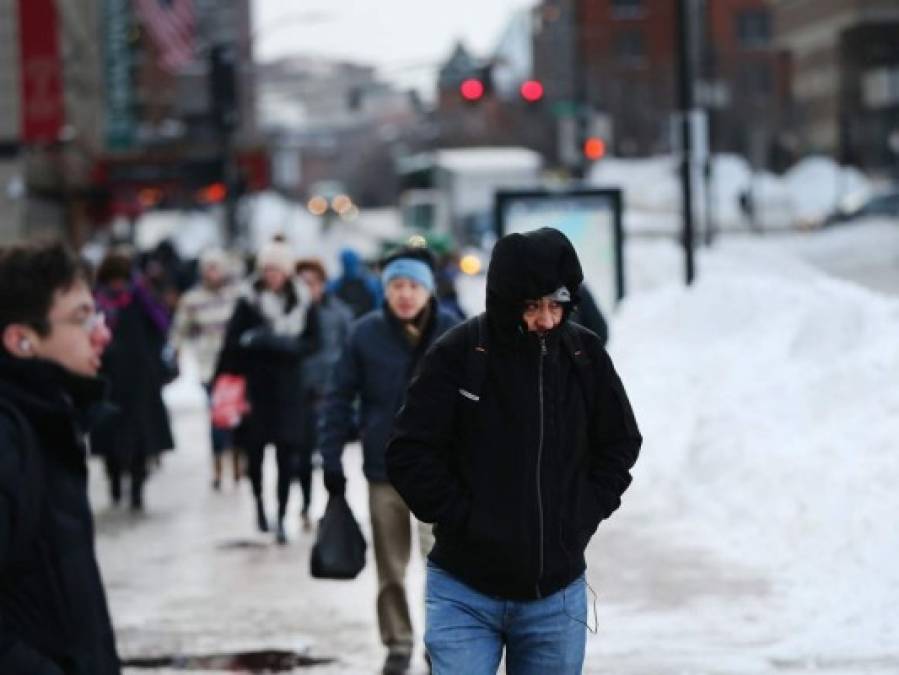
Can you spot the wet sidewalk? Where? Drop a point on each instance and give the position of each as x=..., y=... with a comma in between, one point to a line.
x=192, y=577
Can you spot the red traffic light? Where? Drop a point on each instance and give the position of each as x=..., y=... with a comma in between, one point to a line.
x=594, y=148
x=471, y=89
x=531, y=90
x=213, y=193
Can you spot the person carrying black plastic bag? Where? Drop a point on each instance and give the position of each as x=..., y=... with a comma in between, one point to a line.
x=381, y=355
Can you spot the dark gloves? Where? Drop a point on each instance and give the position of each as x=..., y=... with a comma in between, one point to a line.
x=248, y=337
x=335, y=483
x=263, y=339
x=169, y=362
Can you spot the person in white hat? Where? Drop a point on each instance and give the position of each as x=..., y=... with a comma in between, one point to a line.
x=274, y=326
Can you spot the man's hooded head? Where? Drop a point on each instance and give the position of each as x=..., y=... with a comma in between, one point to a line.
x=529, y=266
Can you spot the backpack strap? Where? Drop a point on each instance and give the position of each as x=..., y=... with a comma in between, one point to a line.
x=30, y=504
x=583, y=364
x=476, y=351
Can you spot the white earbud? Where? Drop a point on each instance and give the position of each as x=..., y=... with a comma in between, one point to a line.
x=25, y=345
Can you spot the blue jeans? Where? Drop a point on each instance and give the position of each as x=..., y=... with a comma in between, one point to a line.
x=466, y=630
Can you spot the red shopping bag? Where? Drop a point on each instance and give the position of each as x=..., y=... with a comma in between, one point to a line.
x=229, y=401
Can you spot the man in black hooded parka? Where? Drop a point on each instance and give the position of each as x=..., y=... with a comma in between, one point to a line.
x=516, y=440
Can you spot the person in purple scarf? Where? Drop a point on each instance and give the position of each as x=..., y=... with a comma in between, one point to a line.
x=137, y=426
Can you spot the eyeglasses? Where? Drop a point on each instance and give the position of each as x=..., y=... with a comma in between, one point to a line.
x=88, y=323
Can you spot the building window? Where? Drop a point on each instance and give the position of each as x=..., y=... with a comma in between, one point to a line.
x=628, y=9
x=755, y=80
x=880, y=87
x=753, y=28
x=629, y=47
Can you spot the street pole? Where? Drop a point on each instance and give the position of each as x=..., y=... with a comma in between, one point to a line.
x=231, y=179
x=711, y=77
x=579, y=89
x=223, y=95
x=685, y=105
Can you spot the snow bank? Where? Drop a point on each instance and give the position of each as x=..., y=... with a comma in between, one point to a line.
x=817, y=185
x=767, y=396
x=802, y=196
x=648, y=184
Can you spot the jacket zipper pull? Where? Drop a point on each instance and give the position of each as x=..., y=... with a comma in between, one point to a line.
x=543, y=350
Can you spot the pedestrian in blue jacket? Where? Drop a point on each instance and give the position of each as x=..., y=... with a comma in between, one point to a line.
x=381, y=355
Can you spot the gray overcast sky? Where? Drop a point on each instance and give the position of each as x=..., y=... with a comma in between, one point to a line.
x=386, y=33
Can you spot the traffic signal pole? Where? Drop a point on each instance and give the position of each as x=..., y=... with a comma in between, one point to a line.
x=685, y=104
x=223, y=94
x=579, y=89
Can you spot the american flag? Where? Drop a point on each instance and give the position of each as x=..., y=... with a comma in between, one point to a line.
x=170, y=24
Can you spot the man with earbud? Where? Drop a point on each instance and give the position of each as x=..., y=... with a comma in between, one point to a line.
x=54, y=618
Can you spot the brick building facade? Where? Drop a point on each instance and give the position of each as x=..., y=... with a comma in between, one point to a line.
x=845, y=71
x=626, y=53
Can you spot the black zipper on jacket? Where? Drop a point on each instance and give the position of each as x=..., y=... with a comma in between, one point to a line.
x=543, y=353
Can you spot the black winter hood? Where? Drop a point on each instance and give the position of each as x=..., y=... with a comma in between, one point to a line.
x=525, y=267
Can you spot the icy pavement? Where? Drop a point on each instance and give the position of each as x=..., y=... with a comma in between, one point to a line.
x=192, y=576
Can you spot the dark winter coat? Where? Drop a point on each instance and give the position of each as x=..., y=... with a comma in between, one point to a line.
x=273, y=366
x=334, y=320
x=54, y=618
x=133, y=367
x=518, y=475
x=589, y=316
x=374, y=368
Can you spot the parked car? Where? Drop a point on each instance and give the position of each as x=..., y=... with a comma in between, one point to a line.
x=878, y=205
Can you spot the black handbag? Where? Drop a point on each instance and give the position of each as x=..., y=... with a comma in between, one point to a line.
x=339, y=549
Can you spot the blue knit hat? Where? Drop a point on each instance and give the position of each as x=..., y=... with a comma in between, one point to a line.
x=409, y=268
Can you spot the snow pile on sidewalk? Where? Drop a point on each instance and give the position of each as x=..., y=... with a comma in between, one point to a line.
x=853, y=249
x=768, y=399
x=652, y=191
x=817, y=184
